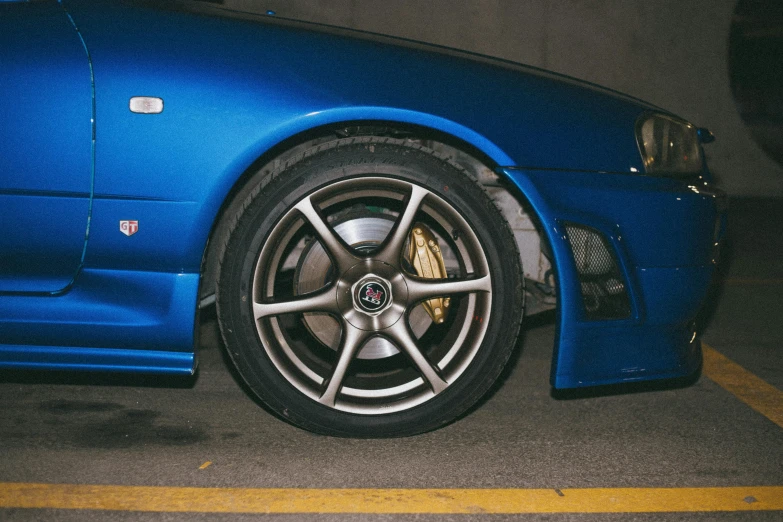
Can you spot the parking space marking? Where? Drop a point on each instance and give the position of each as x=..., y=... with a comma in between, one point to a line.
x=753, y=391
x=390, y=501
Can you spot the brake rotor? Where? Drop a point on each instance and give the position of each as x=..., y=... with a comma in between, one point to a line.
x=364, y=231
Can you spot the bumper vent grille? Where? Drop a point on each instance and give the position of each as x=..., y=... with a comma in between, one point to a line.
x=604, y=292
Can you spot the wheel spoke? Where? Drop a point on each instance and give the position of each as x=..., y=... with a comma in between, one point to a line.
x=422, y=289
x=322, y=301
x=391, y=252
x=334, y=245
x=349, y=346
x=401, y=335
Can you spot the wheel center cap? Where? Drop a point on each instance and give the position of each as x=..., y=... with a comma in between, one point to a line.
x=372, y=295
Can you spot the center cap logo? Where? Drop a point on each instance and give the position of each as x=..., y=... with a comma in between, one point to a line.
x=372, y=295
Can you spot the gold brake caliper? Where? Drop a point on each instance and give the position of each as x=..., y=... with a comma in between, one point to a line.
x=425, y=256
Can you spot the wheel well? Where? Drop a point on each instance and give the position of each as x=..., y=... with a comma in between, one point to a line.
x=532, y=244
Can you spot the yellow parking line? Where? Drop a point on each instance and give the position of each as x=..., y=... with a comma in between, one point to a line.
x=388, y=501
x=756, y=393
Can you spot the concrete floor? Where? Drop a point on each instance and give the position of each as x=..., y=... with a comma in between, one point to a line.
x=125, y=430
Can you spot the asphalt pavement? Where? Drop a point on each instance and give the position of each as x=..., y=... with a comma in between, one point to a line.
x=680, y=438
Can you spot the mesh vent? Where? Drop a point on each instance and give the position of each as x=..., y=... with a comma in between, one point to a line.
x=604, y=293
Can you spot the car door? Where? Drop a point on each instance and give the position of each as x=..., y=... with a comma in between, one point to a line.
x=46, y=141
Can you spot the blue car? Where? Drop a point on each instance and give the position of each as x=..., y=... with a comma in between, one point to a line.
x=372, y=218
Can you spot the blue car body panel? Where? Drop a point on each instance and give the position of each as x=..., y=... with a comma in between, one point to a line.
x=235, y=87
x=281, y=83
x=46, y=136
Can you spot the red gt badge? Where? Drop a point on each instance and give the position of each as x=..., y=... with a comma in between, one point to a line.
x=128, y=227
x=373, y=295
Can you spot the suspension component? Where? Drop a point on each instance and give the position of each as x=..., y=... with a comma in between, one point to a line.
x=425, y=256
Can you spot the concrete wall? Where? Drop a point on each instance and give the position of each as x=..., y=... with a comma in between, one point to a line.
x=672, y=53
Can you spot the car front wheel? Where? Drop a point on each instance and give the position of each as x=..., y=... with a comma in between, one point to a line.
x=369, y=288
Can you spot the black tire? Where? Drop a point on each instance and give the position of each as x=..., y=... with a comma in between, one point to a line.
x=411, y=376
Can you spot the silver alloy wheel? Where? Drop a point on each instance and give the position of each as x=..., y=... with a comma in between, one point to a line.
x=428, y=362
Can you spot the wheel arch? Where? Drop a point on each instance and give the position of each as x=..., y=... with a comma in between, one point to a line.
x=472, y=151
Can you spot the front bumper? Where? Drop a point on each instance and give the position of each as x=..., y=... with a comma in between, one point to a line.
x=663, y=235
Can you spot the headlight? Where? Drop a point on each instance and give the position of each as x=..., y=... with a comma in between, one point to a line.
x=668, y=145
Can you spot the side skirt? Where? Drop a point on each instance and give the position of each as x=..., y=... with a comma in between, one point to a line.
x=110, y=320
x=96, y=359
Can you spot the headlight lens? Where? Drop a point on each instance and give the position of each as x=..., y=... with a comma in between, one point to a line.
x=668, y=145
